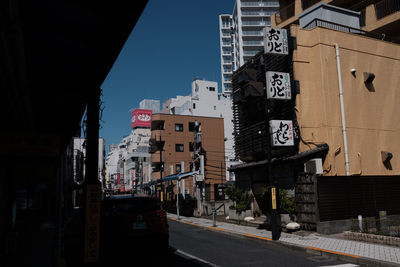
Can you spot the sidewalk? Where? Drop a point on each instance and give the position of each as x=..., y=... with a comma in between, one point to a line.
x=352, y=251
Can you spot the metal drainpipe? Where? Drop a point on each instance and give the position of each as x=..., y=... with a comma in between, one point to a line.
x=346, y=152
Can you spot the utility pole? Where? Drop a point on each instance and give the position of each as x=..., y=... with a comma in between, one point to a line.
x=183, y=181
x=161, y=171
x=273, y=192
x=92, y=185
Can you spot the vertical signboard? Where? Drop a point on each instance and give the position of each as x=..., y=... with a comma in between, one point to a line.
x=275, y=41
x=273, y=197
x=278, y=85
x=141, y=118
x=281, y=132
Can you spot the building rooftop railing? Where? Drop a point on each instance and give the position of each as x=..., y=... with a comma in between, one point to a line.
x=343, y=28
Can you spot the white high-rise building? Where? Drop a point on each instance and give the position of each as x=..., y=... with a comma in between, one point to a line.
x=249, y=17
x=227, y=52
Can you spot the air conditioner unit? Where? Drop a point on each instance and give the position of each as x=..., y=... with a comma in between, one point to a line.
x=314, y=166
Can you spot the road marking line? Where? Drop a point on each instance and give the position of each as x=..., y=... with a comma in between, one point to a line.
x=173, y=219
x=333, y=252
x=340, y=265
x=190, y=223
x=195, y=258
x=216, y=228
x=259, y=237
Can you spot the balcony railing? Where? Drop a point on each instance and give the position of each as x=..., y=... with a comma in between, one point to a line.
x=253, y=42
x=256, y=23
x=257, y=33
x=343, y=28
x=250, y=53
x=264, y=3
x=386, y=7
x=255, y=13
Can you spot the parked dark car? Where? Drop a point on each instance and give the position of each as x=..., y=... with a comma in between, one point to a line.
x=133, y=222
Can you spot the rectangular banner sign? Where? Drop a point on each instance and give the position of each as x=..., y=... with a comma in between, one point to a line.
x=275, y=41
x=141, y=118
x=278, y=85
x=281, y=132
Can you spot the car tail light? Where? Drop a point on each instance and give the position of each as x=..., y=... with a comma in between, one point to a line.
x=162, y=214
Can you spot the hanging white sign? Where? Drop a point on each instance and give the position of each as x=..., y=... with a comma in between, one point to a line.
x=281, y=132
x=278, y=85
x=275, y=41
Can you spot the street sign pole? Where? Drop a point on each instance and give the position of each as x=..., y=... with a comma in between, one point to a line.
x=273, y=190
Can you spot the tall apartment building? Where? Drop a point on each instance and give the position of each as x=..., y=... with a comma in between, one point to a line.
x=227, y=52
x=174, y=135
x=249, y=20
x=245, y=29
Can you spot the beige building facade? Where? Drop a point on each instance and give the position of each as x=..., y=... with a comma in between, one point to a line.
x=372, y=125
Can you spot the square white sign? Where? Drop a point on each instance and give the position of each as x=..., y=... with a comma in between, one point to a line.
x=275, y=41
x=281, y=132
x=278, y=85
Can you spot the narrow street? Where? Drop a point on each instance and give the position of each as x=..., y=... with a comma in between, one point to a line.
x=194, y=246
x=210, y=248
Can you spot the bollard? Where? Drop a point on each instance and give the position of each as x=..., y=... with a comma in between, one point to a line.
x=213, y=217
x=360, y=223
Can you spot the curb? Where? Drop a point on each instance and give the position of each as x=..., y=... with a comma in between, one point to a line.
x=355, y=259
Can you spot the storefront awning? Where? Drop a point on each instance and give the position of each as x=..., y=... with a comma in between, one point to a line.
x=173, y=177
x=303, y=156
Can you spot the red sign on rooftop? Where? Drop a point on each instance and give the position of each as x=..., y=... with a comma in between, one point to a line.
x=141, y=118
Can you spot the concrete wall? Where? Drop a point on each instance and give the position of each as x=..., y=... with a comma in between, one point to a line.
x=372, y=124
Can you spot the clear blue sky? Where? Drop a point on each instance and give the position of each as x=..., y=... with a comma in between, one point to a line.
x=172, y=42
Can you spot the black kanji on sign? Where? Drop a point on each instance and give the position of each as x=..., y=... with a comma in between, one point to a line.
x=282, y=134
x=278, y=85
x=277, y=89
x=275, y=41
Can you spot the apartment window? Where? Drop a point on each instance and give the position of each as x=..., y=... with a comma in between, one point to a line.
x=191, y=127
x=212, y=89
x=179, y=147
x=178, y=127
x=178, y=168
x=194, y=105
x=215, y=107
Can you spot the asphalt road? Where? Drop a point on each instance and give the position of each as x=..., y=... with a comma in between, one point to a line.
x=192, y=246
x=208, y=248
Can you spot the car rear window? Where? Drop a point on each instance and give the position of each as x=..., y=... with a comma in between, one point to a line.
x=135, y=205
